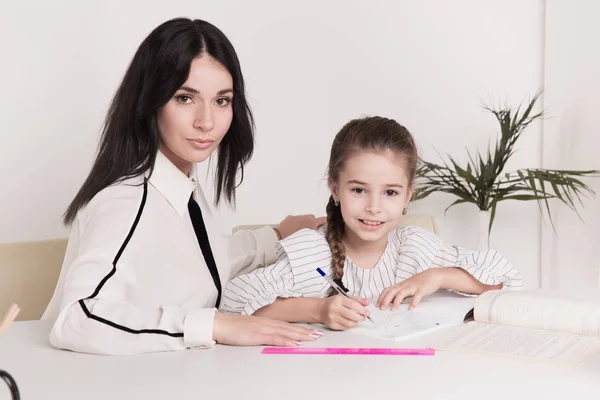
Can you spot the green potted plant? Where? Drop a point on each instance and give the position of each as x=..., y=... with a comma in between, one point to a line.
x=483, y=182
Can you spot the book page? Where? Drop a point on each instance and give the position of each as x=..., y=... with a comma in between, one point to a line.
x=558, y=348
x=432, y=313
x=541, y=309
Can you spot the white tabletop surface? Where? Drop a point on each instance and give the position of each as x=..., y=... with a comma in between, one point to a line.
x=224, y=372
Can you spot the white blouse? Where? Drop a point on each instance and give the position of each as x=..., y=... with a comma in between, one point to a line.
x=409, y=250
x=134, y=279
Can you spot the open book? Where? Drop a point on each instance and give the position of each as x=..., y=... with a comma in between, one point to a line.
x=534, y=325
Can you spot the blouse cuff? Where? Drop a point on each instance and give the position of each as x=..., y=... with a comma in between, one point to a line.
x=198, y=328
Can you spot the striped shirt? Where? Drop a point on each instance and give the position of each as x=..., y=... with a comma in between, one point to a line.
x=409, y=250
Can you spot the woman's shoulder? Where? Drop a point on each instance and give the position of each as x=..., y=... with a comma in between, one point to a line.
x=119, y=198
x=111, y=215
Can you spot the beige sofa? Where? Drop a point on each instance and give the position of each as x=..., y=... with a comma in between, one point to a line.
x=29, y=270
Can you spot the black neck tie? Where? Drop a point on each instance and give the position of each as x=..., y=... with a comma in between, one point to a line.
x=202, y=235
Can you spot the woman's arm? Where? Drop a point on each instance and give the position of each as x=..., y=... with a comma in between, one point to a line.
x=95, y=315
x=249, y=250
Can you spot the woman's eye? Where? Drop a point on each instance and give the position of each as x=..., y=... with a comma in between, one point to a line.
x=182, y=98
x=223, y=101
x=358, y=190
x=391, y=193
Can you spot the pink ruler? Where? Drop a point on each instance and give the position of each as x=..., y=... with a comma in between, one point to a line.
x=351, y=351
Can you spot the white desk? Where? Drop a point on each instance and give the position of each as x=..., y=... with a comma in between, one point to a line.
x=223, y=372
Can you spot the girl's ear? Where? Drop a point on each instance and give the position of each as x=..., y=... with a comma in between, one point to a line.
x=409, y=193
x=333, y=188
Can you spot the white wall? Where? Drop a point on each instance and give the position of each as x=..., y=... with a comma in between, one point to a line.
x=310, y=67
x=571, y=256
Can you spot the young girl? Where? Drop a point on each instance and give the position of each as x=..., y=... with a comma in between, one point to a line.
x=371, y=172
x=145, y=263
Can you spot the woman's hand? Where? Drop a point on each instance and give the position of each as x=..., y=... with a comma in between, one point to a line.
x=340, y=313
x=293, y=223
x=417, y=286
x=244, y=330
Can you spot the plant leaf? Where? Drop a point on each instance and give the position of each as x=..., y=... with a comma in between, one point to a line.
x=484, y=182
x=459, y=201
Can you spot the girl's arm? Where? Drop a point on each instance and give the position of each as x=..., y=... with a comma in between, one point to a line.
x=430, y=281
x=302, y=309
x=291, y=289
x=336, y=312
x=421, y=250
x=425, y=264
x=459, y=280
x=248, y=293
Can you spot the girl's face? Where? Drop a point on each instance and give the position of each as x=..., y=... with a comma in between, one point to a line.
x=197, y=117
x=373, y=190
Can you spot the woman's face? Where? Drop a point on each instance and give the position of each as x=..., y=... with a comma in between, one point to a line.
x=197, y=117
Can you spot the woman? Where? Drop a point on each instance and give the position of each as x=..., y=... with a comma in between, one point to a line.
x=144, y=267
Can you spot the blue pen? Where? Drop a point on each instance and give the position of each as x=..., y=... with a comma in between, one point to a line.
x=336, y=287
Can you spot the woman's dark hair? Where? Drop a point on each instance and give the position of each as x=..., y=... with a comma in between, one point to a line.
x=130, y=137
x=365, y=134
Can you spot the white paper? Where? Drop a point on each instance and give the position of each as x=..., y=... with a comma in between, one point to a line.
x=536, y=345
x=429, y=315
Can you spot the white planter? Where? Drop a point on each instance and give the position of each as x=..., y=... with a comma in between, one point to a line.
x=483, y=237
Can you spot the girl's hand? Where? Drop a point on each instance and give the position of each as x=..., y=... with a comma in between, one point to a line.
x=417, y=286
x=244, y=330
x=340, y=313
